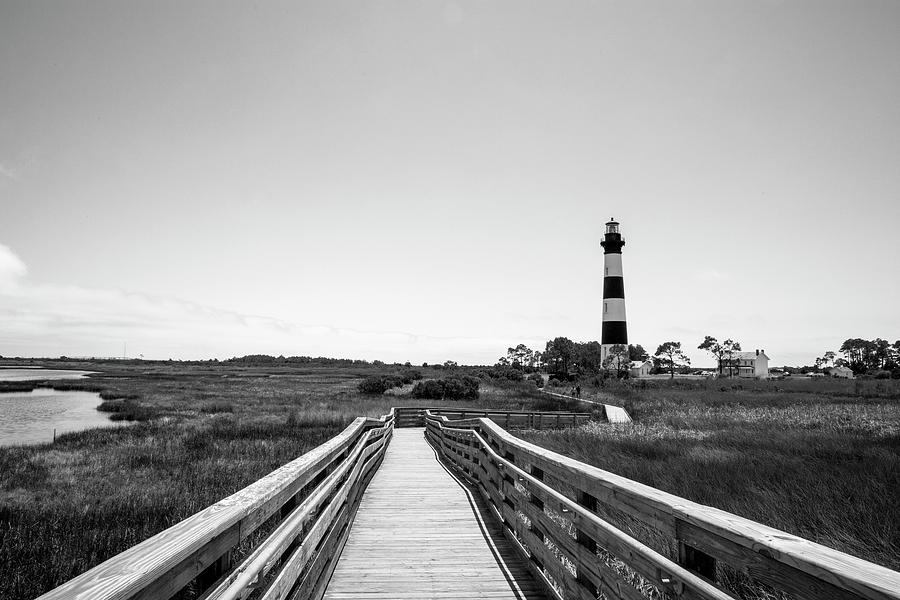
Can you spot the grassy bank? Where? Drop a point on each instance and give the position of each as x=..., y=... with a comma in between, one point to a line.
x=820, y=459
x=202, y=435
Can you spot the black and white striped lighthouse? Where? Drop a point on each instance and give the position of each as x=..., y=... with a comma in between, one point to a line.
x=614, y=330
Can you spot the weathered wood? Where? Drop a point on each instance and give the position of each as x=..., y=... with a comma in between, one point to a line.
x=320, y=507
x=706, y=535
x=290, y=572
x=161, y=565
x=535, y=499
x=416, y=531
x=415, y=417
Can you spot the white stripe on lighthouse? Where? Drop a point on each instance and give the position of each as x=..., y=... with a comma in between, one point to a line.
x=613, y=264
x=614, y=309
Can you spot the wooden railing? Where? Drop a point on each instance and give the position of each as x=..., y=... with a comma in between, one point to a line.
x=508, y=419
x=579, y=528
x=309, y=503
x=612, y=413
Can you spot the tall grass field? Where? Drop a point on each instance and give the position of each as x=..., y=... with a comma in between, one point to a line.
x=818, y=459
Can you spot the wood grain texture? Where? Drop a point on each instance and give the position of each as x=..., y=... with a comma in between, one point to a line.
x=314, y=517
x=159, y=566
x=416, y=536
x=802, y=567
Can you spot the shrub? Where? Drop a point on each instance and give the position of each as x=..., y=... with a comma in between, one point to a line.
x=379, y=384
x=537, y=379
x=451, y=388
x=461, y=388
x=558, y=383
x=432, y=389
x=410, y=375
x=502, y=372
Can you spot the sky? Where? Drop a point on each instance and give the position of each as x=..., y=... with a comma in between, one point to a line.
x=429, y=181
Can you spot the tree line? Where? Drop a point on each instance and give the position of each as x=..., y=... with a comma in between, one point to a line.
x=865, y=357
x=566, y=359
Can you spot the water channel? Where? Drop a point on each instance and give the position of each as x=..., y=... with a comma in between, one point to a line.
x=31, y=417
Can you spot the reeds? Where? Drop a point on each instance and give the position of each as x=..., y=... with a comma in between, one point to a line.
x=810, y=459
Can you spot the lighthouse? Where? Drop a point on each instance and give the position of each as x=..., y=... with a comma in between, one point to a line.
x=614, y=330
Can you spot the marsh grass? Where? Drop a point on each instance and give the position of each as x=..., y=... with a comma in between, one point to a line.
x=200, y=436
x=818, y=461
x=68, y=506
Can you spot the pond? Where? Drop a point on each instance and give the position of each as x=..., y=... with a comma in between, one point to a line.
x=31, y=417
x=29, y=374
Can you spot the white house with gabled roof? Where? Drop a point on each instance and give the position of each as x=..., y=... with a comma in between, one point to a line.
x=841, y=371
x=747, y=364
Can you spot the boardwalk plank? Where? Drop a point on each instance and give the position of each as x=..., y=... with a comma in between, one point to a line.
x=416, y=535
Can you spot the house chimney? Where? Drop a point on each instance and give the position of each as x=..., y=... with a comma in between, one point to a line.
x=757, y=352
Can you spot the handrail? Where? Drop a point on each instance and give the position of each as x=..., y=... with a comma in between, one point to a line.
x=509, y=419
x=613, y=413
x=316, y=494
x=540, y=496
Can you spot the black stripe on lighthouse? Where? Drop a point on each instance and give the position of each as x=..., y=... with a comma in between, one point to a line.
x=614, y=332
x=613, y=287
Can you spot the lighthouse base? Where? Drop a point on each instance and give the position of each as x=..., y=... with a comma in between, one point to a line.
x=614, y=357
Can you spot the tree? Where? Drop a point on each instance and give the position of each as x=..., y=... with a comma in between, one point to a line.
x=637, y=353
x=520, y=357
x=617, y=360
x=724, y=352
x=559, y=354
x=589, y=357
x=881, y=353
x=671, y=357
x=860, y=354
x=730, y=346
x=712, y=345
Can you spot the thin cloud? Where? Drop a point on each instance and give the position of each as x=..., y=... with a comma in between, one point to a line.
x=78, y=321
x=8, y=172
x=710, y=275
x=12, y=268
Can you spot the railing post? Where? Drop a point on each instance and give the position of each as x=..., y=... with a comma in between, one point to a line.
x=697, y=561
x=211, y=574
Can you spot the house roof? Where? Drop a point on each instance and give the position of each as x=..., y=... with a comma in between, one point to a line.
x=747, y=355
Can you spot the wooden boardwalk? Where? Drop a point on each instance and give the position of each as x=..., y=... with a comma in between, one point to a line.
x=419, y=534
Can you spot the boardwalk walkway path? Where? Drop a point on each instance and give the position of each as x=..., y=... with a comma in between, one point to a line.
x=418, y=535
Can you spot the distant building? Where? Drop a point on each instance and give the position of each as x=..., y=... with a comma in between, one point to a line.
x=641, y=370
x=748, y=364
x=842, y=371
